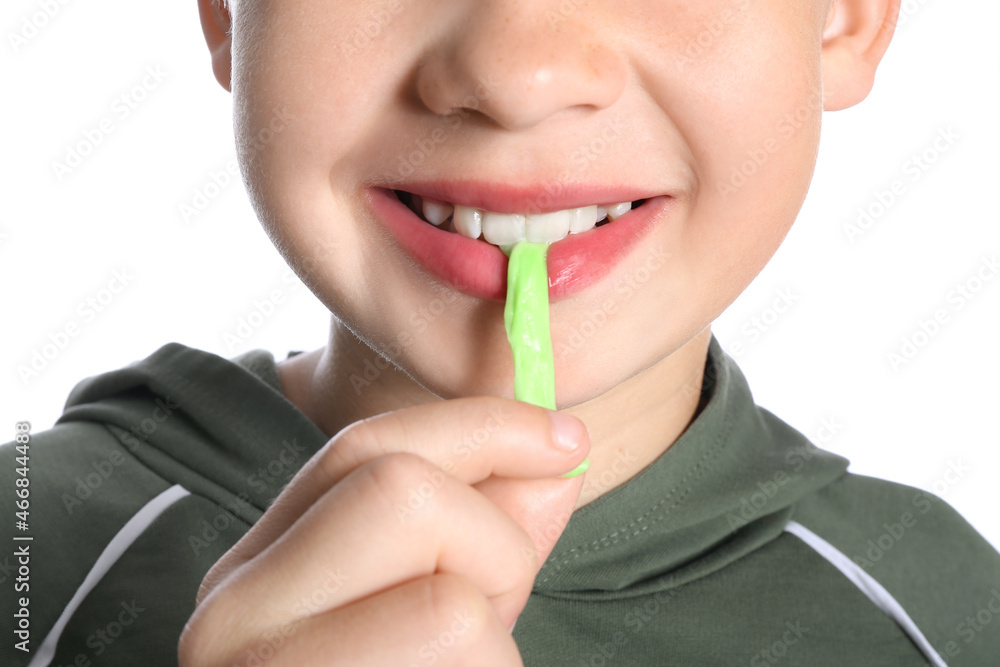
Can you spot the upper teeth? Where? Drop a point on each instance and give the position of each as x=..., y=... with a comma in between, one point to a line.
x=506, y=229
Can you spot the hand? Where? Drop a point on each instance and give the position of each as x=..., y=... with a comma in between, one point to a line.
x=410, y=538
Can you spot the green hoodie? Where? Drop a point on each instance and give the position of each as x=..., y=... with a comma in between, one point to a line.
x=743, y=544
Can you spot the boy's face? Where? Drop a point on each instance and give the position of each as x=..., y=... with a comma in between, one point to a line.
x=713, y=105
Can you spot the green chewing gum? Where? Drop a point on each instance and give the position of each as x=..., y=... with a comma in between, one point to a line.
x=526, y=318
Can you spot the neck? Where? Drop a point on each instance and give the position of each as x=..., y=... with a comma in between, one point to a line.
x=630, y=425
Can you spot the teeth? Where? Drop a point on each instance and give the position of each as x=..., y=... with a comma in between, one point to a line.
x=436, y=212
x=506, y=229
x=583, y=219
x=468, y=221
x=618, y=210
x=503, y=229
x=547, y=227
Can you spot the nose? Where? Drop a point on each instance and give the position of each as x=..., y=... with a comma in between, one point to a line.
x=520, y=63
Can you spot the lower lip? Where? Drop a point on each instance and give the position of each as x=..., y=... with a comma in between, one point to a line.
x=479, y=269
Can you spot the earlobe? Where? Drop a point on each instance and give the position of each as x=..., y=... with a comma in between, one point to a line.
x=856, y=37
x=216, y=24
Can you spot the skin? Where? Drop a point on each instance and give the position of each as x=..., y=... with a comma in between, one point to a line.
x=695, y=90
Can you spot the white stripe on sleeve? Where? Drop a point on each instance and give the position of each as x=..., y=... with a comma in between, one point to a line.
x=870, y=587
x=118, y=545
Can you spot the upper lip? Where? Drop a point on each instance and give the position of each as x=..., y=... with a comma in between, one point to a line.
x=506, y=198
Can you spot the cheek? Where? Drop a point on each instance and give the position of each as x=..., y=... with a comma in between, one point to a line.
x=751, y=107
x=750, y=114
x=303, y=98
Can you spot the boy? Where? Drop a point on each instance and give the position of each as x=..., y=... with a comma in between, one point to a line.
x=711, y=534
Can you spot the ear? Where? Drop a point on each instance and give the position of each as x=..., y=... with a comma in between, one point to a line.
x=856, y=37
x=216, y=23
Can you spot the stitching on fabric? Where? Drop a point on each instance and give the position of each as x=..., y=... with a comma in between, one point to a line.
x=604, y=542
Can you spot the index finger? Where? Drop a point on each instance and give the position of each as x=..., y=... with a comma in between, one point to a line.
x=470, y=439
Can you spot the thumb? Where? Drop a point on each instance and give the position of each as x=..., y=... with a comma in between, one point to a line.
x=541, y=506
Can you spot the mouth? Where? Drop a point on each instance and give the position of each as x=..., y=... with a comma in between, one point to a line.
x=506, y=229
x=457, y=231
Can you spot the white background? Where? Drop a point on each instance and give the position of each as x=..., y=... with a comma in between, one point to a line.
x=931, y=423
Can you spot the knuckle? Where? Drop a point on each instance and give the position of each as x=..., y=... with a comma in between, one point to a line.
x=216, y=575
x=217, y=624
x=195, y=647
x=353, y=445
x=481, y=420
x=452, y=603
x=395, y=476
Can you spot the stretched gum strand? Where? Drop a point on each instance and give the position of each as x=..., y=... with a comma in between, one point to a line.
x=526, y=318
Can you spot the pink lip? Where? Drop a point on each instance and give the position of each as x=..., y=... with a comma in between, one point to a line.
x=480, y=269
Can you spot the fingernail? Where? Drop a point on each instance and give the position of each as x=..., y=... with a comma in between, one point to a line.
x=579, y=470
x=512, y=626
x=568, y=431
